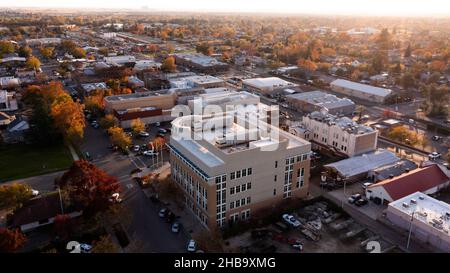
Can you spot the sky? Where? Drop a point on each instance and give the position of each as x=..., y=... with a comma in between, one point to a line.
x=326, y=7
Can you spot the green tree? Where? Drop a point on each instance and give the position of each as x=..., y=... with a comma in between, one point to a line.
x=6, y=47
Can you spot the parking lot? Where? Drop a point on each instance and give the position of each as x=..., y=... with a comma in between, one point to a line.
x=323, y=229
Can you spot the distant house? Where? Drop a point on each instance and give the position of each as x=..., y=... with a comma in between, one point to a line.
x=428, y=180
x=42, y=211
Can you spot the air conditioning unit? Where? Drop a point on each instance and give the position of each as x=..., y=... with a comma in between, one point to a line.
x=413, y=201
x=405, y=205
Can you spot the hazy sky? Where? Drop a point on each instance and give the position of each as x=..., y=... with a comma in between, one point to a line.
x=347, y=7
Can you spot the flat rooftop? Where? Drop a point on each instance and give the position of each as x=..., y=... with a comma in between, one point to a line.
x=426, y=209
x=344, y=123
x=135, y=96
x=369, y=89
x=323, y=99
x=272, y=82
x=200, y=59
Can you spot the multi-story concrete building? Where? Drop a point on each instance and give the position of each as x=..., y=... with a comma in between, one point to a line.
x=227, y=179
x=343, y=135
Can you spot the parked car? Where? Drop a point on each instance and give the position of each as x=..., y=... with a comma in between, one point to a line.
x=434, y=156
x=361, y=202
x=88, y=156
x=298, y=245
x=176, y=227
x=149, y=153
x=144, y=134
x=366, y=185
x=162, y=131
x=437, y=138
x=34, y=192
x=291, y=220
x=136, y=148
x=352, y=199
x=85, y=248
x=95, y=124
x=192, y=246
x=162, y=212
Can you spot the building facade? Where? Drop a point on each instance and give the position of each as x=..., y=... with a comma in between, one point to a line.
x=361, y=91
x=226, y=181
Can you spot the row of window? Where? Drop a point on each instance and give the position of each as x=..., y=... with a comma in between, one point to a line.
x=241, y=173
x=240, y=188
x=240, y=202
x=245, y=214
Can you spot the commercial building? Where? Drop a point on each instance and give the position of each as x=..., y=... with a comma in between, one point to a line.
x=200, y=62
x=205, y=81
x=119, y=60
x=320, y=101
x=43, y=41
x=9, y=82
x=89, y=87
x=267, y=86
x=391, y=171
x=223, y=99
x=342, y=135
x=150, y=107
x=361, y=91
x=425, y=218
x=357, y=167
x=237, y=170
x=428, y=180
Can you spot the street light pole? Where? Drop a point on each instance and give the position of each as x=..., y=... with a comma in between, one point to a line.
x=410, y=230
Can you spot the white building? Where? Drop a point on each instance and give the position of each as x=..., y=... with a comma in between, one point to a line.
x=43, y=41
x=224, y=99
x=146, y=64
x=320, y=101
x=204, y=81
x=8, y=101
x=361, y=91
x=342, y=135
x=428, y=219
x=267, y=86
x=119, y=60
x=9, y=81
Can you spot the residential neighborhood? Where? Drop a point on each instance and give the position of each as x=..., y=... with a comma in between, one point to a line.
x=143, y=131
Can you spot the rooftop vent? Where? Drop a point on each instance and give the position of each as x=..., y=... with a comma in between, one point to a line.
x=421, y=197
x=413, y=201
x=405, y=205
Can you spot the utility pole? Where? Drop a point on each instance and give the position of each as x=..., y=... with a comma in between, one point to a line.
x=60, y=201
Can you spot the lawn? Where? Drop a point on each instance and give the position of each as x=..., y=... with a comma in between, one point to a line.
x=21, y=161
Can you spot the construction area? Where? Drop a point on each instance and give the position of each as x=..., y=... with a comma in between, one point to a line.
x=322, y=229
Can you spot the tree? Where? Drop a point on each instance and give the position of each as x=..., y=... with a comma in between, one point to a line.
x=89, y=186
x=14, y=195
x=404, y=135
x=360, y=110
x=78, y=52
x=63, y=226
x=69, y=119
x=25, y=51
x=408, y=81
x=108, y=121
x=47, y=52
x=33, y=63
x=104, y=245
x=6, y=47
x=119, y=138
x=11, y=240
x=137, y=125
x=307, y=65
x=169, y=65
x=94, y=103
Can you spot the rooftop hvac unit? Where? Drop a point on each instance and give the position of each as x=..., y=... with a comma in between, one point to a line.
x=421, y=197
x=422, y=213
x=405, y=205
x=413, y=201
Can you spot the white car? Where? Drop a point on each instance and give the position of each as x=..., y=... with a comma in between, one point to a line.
x=85, y=248
x=434, y=156
x=162, y=213
x=34, y=192
x=144, y=134
x=176, y=227
x=291, y=220
x=191, y=246
x=149, y=153
x=136, y=148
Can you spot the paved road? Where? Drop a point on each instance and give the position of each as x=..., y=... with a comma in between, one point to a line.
x=147, y=229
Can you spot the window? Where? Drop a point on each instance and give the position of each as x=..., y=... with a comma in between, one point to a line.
x=232, y=205
x=249, y=171
x=224, y=177
x=248, y=200
x=243, y=187
x=244, y=172
x=238, y=203
x=275, y=178
x=238, y=174
x=276, y=164
x=242, y=201
x=274, y=191
x=238, y=189
x=231, y=190
x=299, y=158
x=249, y=185
x=232, y=175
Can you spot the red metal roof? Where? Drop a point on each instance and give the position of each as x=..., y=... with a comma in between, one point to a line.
x=418, y=180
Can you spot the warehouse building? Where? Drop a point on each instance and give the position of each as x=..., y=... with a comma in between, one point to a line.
x=200, y=63
x=361, y=91
x=267, y=86
x=320, y=101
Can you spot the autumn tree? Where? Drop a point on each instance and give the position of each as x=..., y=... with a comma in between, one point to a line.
x=47, y=52
x=6, y=47
x=104, y=245
x=137, y=125
x=14, y=195
x=11, y=240
x=25, y=51
x=407, y=53
x=69, y=119
x=119, y=138
x=169, y=65
x=307, y=65
x=33, y=63
x=88, y=186
x=108, y=121
x=404, y=135
x=94, y=103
